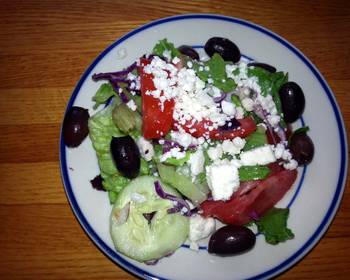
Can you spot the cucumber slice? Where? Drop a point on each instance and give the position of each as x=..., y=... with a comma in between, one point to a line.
x=134, y=236
x=182, y=183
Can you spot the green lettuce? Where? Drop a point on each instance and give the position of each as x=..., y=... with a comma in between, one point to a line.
x=104, y=92
x=215, y=69
x=274, y=226
x=101, y=131
x=164, y=45
x=257, y=139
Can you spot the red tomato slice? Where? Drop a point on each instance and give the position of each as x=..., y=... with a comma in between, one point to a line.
x=156, y=122
x=240, y=210
x=198, y=129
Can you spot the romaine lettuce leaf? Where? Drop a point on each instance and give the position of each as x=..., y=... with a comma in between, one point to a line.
x=101, y=131
x=104, y=92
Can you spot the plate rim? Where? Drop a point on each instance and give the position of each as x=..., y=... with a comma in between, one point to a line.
x=341, y=182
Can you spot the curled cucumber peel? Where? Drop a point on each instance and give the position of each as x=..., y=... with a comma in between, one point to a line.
x=136, y=237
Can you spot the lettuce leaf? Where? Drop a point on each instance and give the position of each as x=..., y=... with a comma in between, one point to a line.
x=102, y=95
x=101, y=131
x=274, y=226
x=164, y=45
x=257, y=139
x=215, y=69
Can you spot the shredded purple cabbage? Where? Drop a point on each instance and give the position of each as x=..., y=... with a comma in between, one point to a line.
x=180, y=204
x=115, y=78
x=261, y=113
x=123, y=97
x=220, y=98
x=167, y=145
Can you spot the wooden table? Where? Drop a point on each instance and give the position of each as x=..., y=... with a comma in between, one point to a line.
x=45, y=47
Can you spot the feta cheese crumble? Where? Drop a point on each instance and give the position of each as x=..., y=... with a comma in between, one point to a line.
x=174, y=152
x=196, y=162
x=223, y=179
x=258, y=156
x=146, y=148
x=200, y=228
x=131, y=104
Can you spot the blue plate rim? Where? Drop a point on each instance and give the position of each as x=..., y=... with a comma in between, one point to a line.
x=321, y=229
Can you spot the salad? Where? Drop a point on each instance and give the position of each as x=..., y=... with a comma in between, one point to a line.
x=191, y=148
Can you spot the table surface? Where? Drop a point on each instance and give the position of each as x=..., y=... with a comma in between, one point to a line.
x=45, y=47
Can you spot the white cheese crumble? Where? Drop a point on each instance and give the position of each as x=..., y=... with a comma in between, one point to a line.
x=196, y=162
x=131, y=104
x=281, y=152
x=184, y=139
x=223, y=179
x=200, y=228
x=176, y=60
x=215, y=153
x=146, y=148
x=234, y=146
x=239, y=113
x=248, y=104
x=174, y=152
x=258, y=156
x=228, y=108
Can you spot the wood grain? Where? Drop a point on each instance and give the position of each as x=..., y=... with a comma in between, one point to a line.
x=45, y=46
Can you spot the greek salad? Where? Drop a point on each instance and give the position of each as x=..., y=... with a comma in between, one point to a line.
x=192, y=148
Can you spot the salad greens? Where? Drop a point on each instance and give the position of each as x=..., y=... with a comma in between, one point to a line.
x=103, y=94
x=274, y=226
x=101, y=131
x=213, y=71
x=165, y=46
x=256, y=139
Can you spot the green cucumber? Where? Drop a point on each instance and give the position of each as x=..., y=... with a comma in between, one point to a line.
x=134, y=236
x=182, y=183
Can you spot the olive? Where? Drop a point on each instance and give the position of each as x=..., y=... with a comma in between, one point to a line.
x=292, y=100
x=75, y=126
x=189, y=51
x=231, y=240
x=264, y=66
x=224, y=47
x=302, y=148
x=126, y=156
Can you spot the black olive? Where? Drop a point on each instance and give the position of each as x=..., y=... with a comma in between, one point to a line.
x=292, y=100
x=264, y=66
x=302, y=148
x=224, y=47
x=75, y=126
x=126, y=156
x=189, y=51
x=230, y=240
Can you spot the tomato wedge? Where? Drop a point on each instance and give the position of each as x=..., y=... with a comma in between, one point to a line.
x=198, y=129
x=156, y=121
x=240, y=209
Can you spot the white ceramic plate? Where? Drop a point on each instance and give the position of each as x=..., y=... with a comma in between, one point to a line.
x=313, y=200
